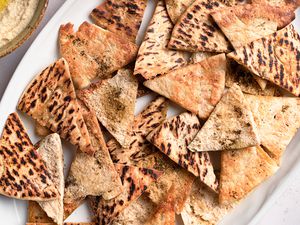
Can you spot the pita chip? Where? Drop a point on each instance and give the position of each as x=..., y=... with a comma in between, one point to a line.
x=36, y=214
x=195, y=30
x=277, y=119
x=176, y=8
x=51, y=152
x=236, y=74
x=24, y=174
x=154, y=58
x=121, y=17
x=172, y=138
x=242, y=170
x=135, y=181
x=99, y=178
x=50, y=99
x=275, y=58
x=195, y=87
x=150, y=118
x=93, y=52
x=230, y=126
x=202, y=207
x=200, y=56
x=63, y=224
x=113, y=101
x=41, y=131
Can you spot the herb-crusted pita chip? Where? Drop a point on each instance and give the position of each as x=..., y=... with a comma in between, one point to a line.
x=277, y=119
x=275, y=58
x=196, y=87
x=139, y=148
x=50, y=99
x=242, y=170
x=93, y=52
x=154, y=58
x=121, y=17
x=176, y=8
x=113, y=101
x=236, y=74
x=202, y=207
x=172, y=138
x=24, y=174
x=195, y=30
x=135, y=181
x=230, y=126
x=51, y=152
x=91, y=175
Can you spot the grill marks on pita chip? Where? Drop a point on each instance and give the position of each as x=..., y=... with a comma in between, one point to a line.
x=203, y=207
x=277, y=119
x=88, y=54
x=113, y=101
x=176, y=8
x=195, y=30
x=196, y=87
x=50, y=99
x=139, y=148
x=121, y=17
x=242, y=170
x=154, y=58
x=135, y=181
x=24, y=174
x=230, y=126
x=275, y=58
x=173, y=137
x=51, y=152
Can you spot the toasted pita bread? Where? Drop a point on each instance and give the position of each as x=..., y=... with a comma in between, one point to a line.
x=135, y=181
x=50, y=99
x=274, y=58
x=121, y=17
x=154, y=58
x=176, y=8
x=139, y=148
x=41, y=131
x=230, y=126
x=195, y=30
x=202, y=207
x=242, y=170
x=36, y=214
x=24, y=174
x=113, y=101
x=255, y=20
x=261, y=82
x=51, y=152
x=93, y=52
x=277, y=119
x=196, y=87
x=172, y=138
x=64, y=224
x=236, y=74
x=200, y=56
x=99, y=178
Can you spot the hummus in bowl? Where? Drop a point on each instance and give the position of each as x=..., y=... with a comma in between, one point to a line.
x=18, y=19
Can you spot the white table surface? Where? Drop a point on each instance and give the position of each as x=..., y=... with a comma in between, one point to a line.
x=284, y=211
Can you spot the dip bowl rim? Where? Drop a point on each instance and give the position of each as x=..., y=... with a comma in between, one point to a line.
x=27, y=31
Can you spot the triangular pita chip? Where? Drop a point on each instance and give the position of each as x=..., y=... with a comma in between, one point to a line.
x=172, y=138
x=277, y=119
x=176, y=8
x=202, y=207
x=196, y=87
x=139, y=148
x=242, y=170
x=121, y=17
x=135, y=181
x=254, y=20
x=113, y=101
x=50, y=99
x=230, y=126
x=93, y=52
x=91, y=175
x=51, y=153
x=36, y=214
x=23, y=172
x=154, y=58
x=195, y=30
x=275, y=58
x=236, y=74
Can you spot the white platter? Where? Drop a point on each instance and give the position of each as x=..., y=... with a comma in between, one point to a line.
x=44, y=51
